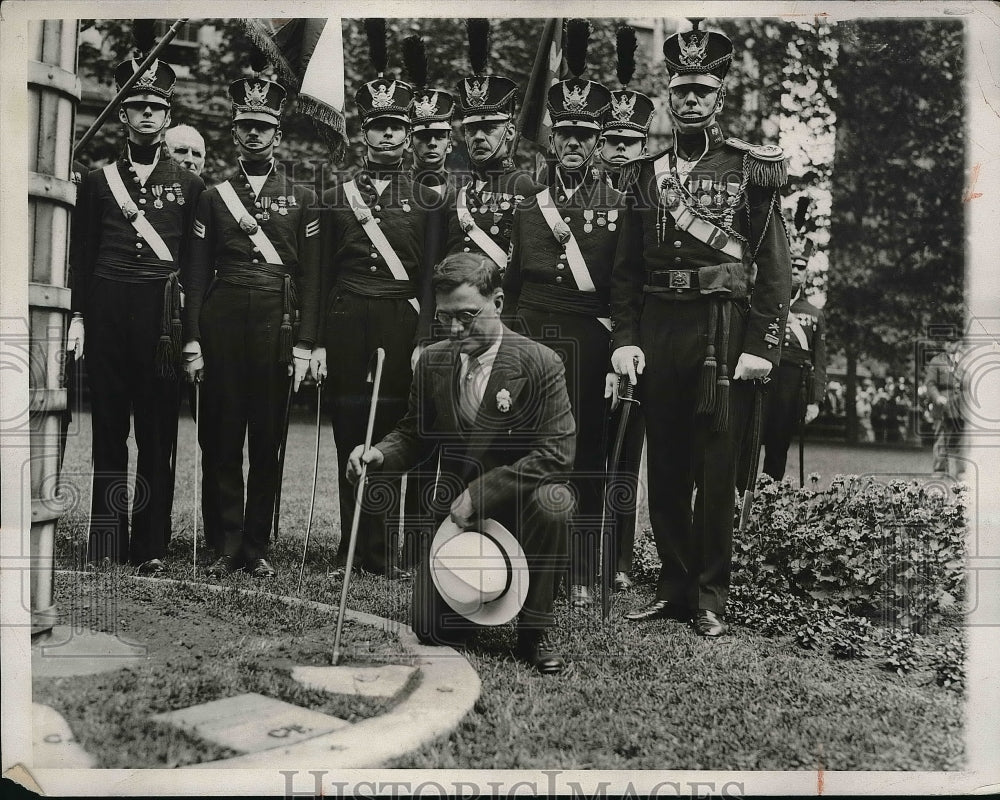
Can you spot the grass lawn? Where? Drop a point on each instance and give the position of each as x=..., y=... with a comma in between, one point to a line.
x=649, y=696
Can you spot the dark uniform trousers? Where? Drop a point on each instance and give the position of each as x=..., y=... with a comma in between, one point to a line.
x=123, y=328
x=684, y=453
x=240, y=339
x=356, y=325
x=784, y=409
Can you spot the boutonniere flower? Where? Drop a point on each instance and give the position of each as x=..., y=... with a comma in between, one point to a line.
x=503, y=401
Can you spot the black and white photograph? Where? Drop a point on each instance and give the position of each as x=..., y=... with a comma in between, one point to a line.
x=448, y=399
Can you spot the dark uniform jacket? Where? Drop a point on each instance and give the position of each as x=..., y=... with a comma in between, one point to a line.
x=810, y=322
x=538, y=271
x=106, y=243
x=287, y=213
x=410, y=216
x=492, y=207
x=730, y=181
x=523, y=434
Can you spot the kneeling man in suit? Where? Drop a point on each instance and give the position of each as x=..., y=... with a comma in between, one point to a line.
x=491, y=408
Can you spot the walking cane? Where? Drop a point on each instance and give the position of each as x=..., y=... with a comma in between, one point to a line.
x=197, y=453
x=282, y=446
x=312, y=498
x=754, y=459
x=803, y=394
x=607, y=545
x=359, y=496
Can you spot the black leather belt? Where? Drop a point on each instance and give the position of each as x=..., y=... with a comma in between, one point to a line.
x=679, y=279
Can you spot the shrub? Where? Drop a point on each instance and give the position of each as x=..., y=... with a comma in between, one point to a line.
x=871, y=548
x=948, y=663
x=900, y=651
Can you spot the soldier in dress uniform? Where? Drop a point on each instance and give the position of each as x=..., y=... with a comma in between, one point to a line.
x=798, y=383
x=250, y=325
x=558, y=282
x=131, y=237
x=626, y=125
x=482, y=219
x=707, y=224
x=379, y=246
x=185, y=146
x=431, y=112
x=623, y=144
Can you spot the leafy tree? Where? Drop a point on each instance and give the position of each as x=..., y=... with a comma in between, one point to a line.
x=896, y=250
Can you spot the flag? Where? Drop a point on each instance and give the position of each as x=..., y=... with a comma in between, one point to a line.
x=308, y=55
x=534, y=123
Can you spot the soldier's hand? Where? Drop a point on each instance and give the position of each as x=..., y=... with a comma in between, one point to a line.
x=812, y=411
x=300, y=364
x=611, y=389
x=372, y=457
x=317, y=363
x=75, y=336
x=751, y=367
x=193, y=361
x=415, y=357
x=462, y=510
x=629, y=360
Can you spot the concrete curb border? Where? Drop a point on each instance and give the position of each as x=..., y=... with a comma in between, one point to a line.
x=447, y=691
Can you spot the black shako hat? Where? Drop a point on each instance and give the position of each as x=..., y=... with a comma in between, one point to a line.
x=697, y=56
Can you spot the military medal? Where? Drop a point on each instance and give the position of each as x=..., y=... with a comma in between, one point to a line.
x=601, y=220
x=505, y=205
x=588, y=220
x=265, y=204
x=282, y=205
x=248, y=224
x=612, y=219
x=178, y=194
x=157, y=191
x=406, y=205
x=291, y=201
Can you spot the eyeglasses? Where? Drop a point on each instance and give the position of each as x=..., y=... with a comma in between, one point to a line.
x=464, y=318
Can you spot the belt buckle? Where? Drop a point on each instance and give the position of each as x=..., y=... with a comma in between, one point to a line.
x=679, y=278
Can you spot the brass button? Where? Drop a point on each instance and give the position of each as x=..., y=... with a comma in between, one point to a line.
x=256, y=249
x=562, y=256
x=142, y=190
x=558, y=278
x=565, y=219
x=259, y=216
x=376, y=208
x=374, y=255
x=677, y=244
x=465, y=249
x=142, y=201
x=255, y=261
x=560, y=266
x=374, y=268
x=466, y=239
x=138, y=245
x=257, y=204
x=677, y=259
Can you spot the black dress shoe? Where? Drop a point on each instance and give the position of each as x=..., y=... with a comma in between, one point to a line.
x=623, y=582
x=659, y=609
x=260, y=568
x=151, y=567
x=580, y=596
x=707, y=623
x=536, y=649
x=222, y=566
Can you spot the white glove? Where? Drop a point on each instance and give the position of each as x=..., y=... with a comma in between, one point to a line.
x=192, y=361
x=300, y=364
x=812, y=411
x=75, y=336
x=317, y=363
x=751, y=367
x=629, y=360
x=611, y=389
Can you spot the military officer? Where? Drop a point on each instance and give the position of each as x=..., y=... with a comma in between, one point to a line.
x=252, y=293
x=483, y=214
x=131, y=235
x=622, y=145
x=799, y=381
x=558, y=281
x=379, y=245
x=431, y=111
x=707, y=220
x=626, y=124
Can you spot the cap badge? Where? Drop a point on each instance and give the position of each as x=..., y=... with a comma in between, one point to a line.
x=382, y=96
x=427, y=105
x=148, y=78
x=256, y=94
x=693, y=50
x=622, y=109
x=575, y=99
x=477, y=91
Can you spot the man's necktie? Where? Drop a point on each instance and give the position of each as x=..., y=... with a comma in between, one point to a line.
x=470, y=393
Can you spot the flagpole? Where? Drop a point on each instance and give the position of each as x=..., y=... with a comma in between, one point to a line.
x=541, y=57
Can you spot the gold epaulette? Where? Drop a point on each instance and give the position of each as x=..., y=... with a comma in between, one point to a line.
x=766, y=165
